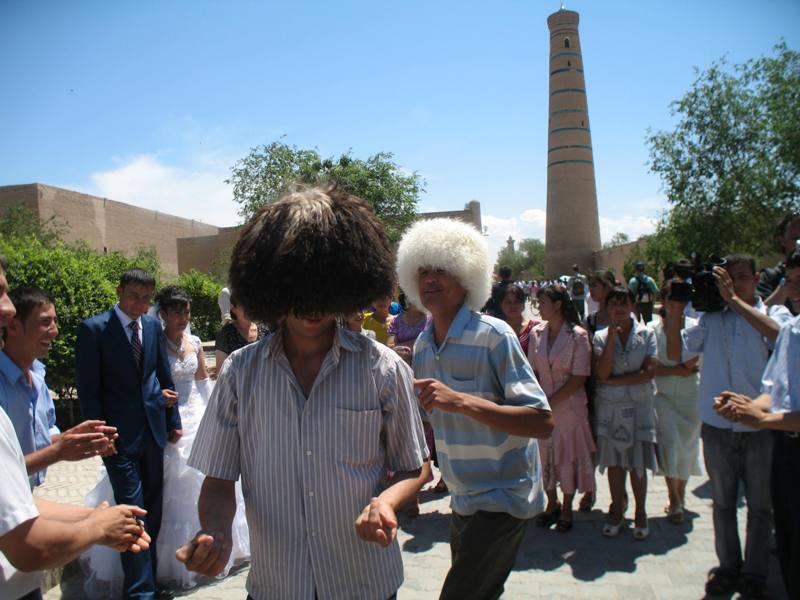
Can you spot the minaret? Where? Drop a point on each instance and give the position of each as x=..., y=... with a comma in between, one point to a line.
x=573, y=227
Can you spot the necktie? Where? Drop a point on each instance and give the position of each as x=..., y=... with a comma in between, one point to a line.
x=136, y=343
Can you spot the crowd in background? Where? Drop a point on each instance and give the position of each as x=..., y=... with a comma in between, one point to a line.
x=629, y=394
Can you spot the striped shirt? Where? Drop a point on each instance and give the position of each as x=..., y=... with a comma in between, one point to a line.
x=485, y=469
x=310, y=466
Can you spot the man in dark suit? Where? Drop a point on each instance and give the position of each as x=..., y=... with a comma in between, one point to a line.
x=123, y=378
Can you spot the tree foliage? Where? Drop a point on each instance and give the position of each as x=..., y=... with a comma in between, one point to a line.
x=731, y=166
x=526, y=260
x=617, y=239
x=268, y=171
x=204, y=290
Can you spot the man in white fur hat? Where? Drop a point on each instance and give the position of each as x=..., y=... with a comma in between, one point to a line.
x=483, y=400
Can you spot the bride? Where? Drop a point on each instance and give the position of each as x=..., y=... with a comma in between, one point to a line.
x=182, y=483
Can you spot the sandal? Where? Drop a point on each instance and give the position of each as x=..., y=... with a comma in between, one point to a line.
x=546, y=519
x=440, y=487
x=611, y=530
x=563, y=526
x=720, y=582
x=674, y=514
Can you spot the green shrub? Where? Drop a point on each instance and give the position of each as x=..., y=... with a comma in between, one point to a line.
x=80, y=290
x=203, y=289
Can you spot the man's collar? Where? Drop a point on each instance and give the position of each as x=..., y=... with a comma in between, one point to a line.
x=457, y=326
x=9, y=369
x=342, y=340
x=125, y=319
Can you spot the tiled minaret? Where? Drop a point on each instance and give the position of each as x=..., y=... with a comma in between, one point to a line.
x=573, y=227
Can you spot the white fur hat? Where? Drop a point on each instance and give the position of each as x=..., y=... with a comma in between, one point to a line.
x=446, y=244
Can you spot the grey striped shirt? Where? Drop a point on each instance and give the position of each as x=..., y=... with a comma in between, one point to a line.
x=310, y=466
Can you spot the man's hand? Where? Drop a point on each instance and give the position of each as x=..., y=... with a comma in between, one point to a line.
x=207, y=553
x=724, y=284
x=738, y=408
x=434, y=394
x=170, y=397
x=404, y=352
x=119, y=526
x=174, y=436
x=86, y=439
x=377, y=523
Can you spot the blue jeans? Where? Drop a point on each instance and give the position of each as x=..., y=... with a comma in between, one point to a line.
x=732, y=457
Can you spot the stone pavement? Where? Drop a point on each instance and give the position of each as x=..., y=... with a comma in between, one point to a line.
x=672, y=563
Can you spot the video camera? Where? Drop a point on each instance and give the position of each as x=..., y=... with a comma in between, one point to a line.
x=702, y=291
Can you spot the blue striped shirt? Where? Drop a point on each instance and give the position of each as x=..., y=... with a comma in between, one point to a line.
x=485, y=469
x=310, y=466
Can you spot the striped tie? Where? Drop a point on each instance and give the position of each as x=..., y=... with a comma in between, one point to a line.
x=136, y=343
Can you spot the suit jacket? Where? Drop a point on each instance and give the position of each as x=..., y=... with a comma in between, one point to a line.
x=111, y=387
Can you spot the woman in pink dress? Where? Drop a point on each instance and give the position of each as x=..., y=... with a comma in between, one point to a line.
x=560, y=354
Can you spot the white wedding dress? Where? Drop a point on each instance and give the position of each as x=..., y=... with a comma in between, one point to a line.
x=179, y=521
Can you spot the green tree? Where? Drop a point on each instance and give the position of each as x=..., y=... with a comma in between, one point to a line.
x=203, y=289
x=527, y=259
x=617, y=239
x=731, y=166
x=80, y=289
x=267, y=171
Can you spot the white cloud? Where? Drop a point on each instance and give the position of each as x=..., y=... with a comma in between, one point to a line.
x=196, y=192
x=633, y=226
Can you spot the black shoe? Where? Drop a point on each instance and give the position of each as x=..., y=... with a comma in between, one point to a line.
x=547, y=519
x=751, y=588
x=163, y=593
x=720, y=582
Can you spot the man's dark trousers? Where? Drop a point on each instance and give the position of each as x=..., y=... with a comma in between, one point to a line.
x=484, y=549
x=137, y=478
x=113, y=387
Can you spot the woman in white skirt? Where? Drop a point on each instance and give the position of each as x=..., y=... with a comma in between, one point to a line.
x=676, y=408
x=626, y=434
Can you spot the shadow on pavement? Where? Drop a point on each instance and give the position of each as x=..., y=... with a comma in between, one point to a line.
x=589, y=554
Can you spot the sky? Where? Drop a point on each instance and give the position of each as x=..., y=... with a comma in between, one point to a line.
x=151, y=102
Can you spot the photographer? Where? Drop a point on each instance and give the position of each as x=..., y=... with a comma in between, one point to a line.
x=787, y=233
x=787, y=292
x=735, y=344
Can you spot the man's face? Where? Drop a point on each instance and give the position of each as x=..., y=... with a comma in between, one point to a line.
x=792, y=286
x=33, y=337
x=7, y=310
x=382, y=305
x=134, y=299
x=744, y=281
x=310, y=326
x=790, y=236
x=439, y=290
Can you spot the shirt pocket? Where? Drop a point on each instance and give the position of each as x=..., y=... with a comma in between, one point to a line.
x=359, y=436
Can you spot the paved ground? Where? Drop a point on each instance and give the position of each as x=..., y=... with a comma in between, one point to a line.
x=672, y=563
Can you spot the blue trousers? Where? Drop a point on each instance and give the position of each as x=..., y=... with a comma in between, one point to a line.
x=137, y=478
x=732, y=457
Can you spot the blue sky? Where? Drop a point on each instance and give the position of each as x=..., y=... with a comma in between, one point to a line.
x=151, y=102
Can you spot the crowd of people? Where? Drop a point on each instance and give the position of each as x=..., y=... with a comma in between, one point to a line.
x=324, y=412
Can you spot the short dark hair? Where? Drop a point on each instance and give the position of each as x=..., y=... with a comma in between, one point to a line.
x=605, y=277
x=505, y=272
x=25, y=299
x=172, y=297
x=311, y=239
x=739, y=259
x=621, y=292
x=137, y=277
x=793, y=259
x=515, y=291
